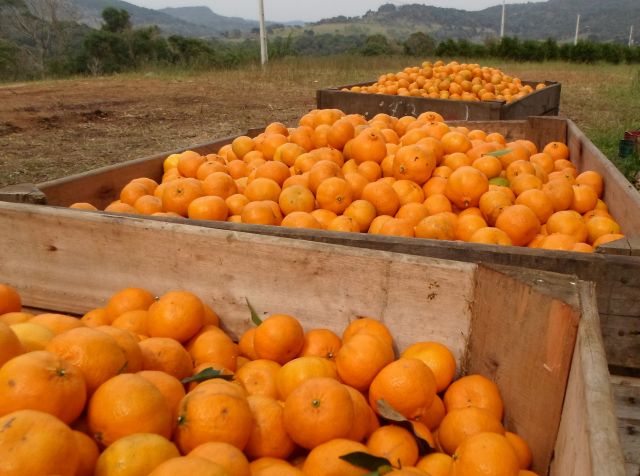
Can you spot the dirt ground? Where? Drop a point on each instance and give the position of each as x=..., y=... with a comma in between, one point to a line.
x=49, y=130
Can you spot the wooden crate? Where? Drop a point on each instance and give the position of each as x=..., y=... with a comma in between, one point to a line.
x=534, y=333
x=545, y=102
x=617, y=277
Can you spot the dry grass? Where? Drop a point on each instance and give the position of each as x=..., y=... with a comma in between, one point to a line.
x=55, y=128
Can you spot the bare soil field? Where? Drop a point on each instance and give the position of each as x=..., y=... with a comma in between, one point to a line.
x=51, y=129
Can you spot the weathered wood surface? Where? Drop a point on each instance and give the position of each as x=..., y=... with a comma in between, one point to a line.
x=588, y=406
x=497, y=323
x=539, y=103
x=626, y=393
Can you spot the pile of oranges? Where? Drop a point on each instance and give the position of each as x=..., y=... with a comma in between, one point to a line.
x=154, y=386
x=410, y=177
x=461, y=82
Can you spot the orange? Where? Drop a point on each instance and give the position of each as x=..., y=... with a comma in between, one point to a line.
x=397, y=227
x=83, y=206
x=525, y=182
x=9, y=299
x=492, y=203
x=520, y=446
x=134, y=321
x=10, y=344
x=515, y=152
x=370, y=170
x=300, y=220
x=88, y=453
x=591, y=179
x=362, y=212
x=368, y=145
x=95, y=353
x=30, y=336
x=321, y=171
x=538, y=201
x=406, y=384
x=189, y=162
x=296, y=371
x=408, y=191
x=432, y=416
x=570, y=223
x=488, y=165
x=340, y=132
x=414, y=212
x=170, y=387
x=209, y=167
x=367, y=325
x=128, y=343
x=208, y=208
x=245, y=344
x=334, y=194
x=435, y=185
x=177, y=314
x=561, y=193
x=544, y=160
x=557, y=150
x=455, y=142
x=377, y=223
x=213, y=345
x=585, y=198
x=34, y=442
x=485, y=453
x=490, y=236
x=188, y=465
x=395, y=444
x=259, y=213
x=360, y=359
x=136, y=454
x=468, y=225
x=207, y=414
x=179, y=193
x=262, y=189
x=15, y=317
x=25, y=379
x=132, y=192
x=258, y=377
x=557, y=241
x=438, y=358
x=236, y=203
x=465, y=186
x=414, y=162
x=321, y=343
x=462, y=423
x=228, y=456
x=609, y=237
x=128, y=299
x=167, y=355
x=274, y=170
x=296, y=198
x=456, y=160
x=436, y=464
x=436, y=227
x=280, y=337
x=383, y=197
x=324, y=459
x=520, y=223
x=273, y=467
x=118, y=207
x=519, y=167
x=219, y=184
x=361, y=415
x=127, y=404
x=318, y=410
x=599, y=226
x=268, y=435
x=476, y=391
x=56, y=323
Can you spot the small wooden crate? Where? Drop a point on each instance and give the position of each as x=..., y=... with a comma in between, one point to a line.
x=544, y=102
x=617, y=277
x=535, y=333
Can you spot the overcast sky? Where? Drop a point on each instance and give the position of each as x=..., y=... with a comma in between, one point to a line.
x=308, y=10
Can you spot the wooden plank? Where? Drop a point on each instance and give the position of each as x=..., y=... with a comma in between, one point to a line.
x=621, y=340
x=544, y=102
x=528, y=357
x=619, y=194
x=404, y=291
x=626, y=392
x=588, y=414
x=22, y=193
x=101, y=186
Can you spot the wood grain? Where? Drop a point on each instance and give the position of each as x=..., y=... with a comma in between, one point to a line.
x=626, y=392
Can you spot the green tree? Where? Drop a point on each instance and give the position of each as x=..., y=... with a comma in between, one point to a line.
x=115, y=20
x=376, y=45
x=419, y=44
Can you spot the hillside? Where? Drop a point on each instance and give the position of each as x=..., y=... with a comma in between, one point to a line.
x=89, y=12
x=602, y=21
x=205, y=17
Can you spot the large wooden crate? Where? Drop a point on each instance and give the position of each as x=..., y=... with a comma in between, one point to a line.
x=544, y=102
x=535, y=333
x=617, y=277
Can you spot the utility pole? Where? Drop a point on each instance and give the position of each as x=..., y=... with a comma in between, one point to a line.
x=631, y=36
x=575, y=40
x=264, y=54
x=502, y=22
